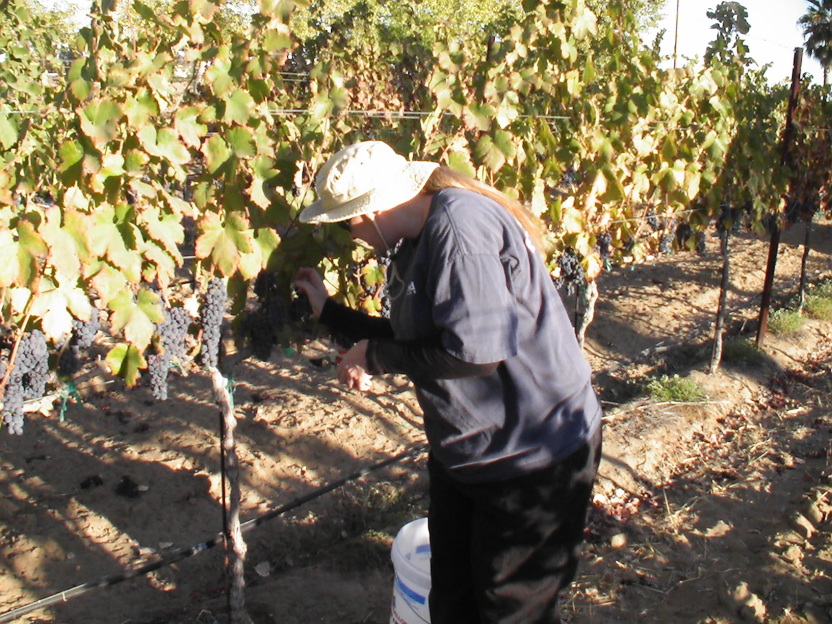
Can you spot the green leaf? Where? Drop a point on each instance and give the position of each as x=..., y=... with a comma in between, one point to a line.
x=276, y=40
x=80, y=89
x=489, y=154
x=8, y=131
x=169, y=147
x=56, y=305
x=479, y=116
x=126, y=361
x=71, y=153
x=216, y=153
x=219, y=77
x=137, y=317
x=64, y=250
x=165, y=229
x=241, y=142
x=237, y=107
x=461, y=161
x=9, y=263
x=108, y=282
x=140, y=109
x=189, y=127
x=203, y=10
x=224, y=242
x=99, y=121
x=31, y=250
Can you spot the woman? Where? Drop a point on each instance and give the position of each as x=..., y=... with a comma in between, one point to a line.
x=509, y=411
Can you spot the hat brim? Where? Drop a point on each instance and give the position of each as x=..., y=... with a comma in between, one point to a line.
x=393, y=193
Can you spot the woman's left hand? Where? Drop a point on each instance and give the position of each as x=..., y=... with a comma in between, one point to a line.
x=352, y=370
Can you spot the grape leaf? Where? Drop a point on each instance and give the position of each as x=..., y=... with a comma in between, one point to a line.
x=190, y=129
x=237, y=107
x=126, y=361
x=216, y=153
x=99, y=121
x=224, y=242
x=9, y=263
x=137, y=317
x=8, y=131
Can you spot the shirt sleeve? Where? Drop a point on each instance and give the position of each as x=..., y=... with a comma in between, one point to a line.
x=353, y=324
x=475, y=309
x=418, y=360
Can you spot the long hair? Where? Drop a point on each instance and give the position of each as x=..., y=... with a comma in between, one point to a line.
x=444, y=177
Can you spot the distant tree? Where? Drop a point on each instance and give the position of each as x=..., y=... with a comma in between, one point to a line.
x=817, y=30
x=731, y=23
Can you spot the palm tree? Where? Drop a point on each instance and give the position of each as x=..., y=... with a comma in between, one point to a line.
x=817, y=30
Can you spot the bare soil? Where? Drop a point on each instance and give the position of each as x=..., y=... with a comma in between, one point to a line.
x=706, y=513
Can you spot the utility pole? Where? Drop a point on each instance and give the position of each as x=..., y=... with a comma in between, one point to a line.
x=676, y=35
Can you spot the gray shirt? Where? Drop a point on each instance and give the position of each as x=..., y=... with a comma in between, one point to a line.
x=474, y=281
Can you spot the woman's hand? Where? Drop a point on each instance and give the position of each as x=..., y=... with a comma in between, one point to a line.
x=310, y=283
x=352, y=370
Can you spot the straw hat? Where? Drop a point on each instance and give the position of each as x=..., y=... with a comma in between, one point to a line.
x=365, y=178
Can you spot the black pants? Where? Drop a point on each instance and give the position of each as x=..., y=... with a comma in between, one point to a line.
x=501, y=552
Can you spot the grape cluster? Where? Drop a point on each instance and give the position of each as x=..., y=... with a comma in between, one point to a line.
x=33, y=361
x=604, y=245
x=83, y=335
x=701, y=246
x=83, y=332
x=158, y=365
x=172, y=331
x=572, y=272
x=653, y=220
x=385, y=260
x=300, y=310
x=683, y=233
x=265, y=321
x=212, y=313
x=12, y=400
x=666, y=243
x=27, y=379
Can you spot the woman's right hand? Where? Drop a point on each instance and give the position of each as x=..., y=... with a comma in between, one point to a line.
x=310, y=283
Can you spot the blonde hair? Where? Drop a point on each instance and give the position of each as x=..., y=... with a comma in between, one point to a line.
x=444, y=177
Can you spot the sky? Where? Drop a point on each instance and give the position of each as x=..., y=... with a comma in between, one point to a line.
x=772, y=39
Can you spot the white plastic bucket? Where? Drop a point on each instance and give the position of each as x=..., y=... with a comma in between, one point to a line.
x=411, y=562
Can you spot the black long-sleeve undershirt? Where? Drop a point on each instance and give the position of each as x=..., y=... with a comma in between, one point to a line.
x=425, y=359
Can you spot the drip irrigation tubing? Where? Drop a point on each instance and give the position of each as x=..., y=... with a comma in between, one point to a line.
x=183, y=553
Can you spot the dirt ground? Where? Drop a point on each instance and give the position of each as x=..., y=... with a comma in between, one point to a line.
x=710, y=513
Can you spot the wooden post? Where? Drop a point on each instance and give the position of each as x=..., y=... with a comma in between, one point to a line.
x=785, y=160
x=235, y=545
x=722, y=310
